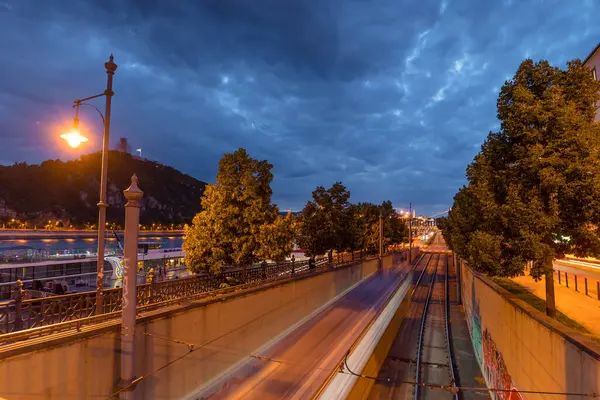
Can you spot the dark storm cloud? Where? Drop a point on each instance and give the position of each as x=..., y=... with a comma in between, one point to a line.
x=391, y=97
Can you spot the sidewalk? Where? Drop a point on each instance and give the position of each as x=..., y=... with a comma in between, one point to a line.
x=576, y=305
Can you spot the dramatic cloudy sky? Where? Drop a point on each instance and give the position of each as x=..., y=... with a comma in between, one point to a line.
x=392, y=97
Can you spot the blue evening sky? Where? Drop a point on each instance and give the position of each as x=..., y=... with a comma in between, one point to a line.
x=391, y=97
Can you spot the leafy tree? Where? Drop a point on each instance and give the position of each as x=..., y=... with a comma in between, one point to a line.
x=312, y=231
x=237, y=218
x=367, y=221
x=443, y=226
x=204, y=250
x=395, y=230
x=465, y=218
x=327, y=222
x=534, y=189
x=276, y=239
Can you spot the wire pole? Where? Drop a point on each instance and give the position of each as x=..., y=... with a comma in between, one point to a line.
x=381, y=234
x=409, y=233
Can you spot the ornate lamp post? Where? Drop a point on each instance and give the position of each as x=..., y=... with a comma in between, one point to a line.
x=74, y=138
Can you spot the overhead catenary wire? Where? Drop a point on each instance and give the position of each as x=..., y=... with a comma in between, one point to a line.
x=345, y=369
x=452, y=387
x=192, y=347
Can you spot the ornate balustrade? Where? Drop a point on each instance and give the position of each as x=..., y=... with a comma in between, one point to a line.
x=22, y=313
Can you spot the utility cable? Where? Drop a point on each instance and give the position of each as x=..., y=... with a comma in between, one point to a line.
x=195, y=347
x=455, y=389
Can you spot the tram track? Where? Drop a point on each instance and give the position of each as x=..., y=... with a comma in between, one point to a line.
x=422, y=354
x=434, y=360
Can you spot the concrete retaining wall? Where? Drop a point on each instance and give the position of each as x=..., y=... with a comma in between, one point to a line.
x=521, y=348
x=219, y=334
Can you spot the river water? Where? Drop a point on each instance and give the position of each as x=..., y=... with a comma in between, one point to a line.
x=82, y=244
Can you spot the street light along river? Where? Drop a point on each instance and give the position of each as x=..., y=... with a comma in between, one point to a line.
x=74, y=138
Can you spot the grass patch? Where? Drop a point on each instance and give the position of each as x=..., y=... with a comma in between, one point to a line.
x=540, y=305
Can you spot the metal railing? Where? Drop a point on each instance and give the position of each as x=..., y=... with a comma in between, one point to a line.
x=21, y=313
x=591, y=286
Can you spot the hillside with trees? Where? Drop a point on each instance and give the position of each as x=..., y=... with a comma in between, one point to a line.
x=67, y=192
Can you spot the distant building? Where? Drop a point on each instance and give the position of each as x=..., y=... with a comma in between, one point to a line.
x=123, y=146
x=592, y=61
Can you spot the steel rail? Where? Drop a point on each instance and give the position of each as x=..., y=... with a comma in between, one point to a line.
x=412, y=294
x=422, y=329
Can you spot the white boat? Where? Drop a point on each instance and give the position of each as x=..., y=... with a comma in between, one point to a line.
x=80, y=273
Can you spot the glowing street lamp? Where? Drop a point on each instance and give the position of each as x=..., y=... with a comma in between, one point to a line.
x=74, y=139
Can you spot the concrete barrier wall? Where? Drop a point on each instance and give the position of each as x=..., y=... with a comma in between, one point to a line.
x=520, y=348
x=217, y=335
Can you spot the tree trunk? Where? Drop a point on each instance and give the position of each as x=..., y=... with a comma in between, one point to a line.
x=550, y=300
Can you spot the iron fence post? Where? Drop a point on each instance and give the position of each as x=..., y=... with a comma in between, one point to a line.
x=18, y=297
x=293, y=264
x=151, y=279
x=586, y=289
x=576, y=287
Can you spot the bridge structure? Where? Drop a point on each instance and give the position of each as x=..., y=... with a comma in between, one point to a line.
x=396, y=326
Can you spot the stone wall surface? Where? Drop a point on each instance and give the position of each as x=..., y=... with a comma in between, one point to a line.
x=217, y=335
x=521, y=349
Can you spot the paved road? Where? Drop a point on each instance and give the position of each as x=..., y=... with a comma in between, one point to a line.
x=580, y=268
x=299, y=364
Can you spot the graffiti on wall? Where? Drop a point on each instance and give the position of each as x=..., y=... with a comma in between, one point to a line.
x=496, y=374
x=488, y=356
x=474, y=323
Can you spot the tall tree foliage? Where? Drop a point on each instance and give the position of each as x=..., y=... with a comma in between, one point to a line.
x=327, y=222
x=395, y=230
x=238, y=219
x=276, y=239
x=367, y=221
x=534, y=189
